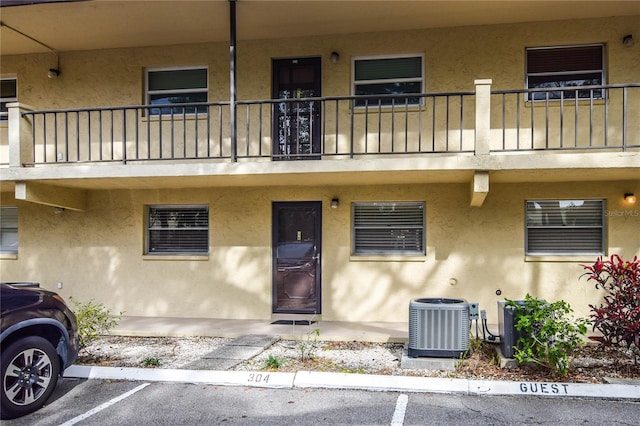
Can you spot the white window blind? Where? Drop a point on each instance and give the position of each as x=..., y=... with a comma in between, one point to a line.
x=387, y=76
x=8, y=94
x=565, y=227
x=167, y=86
x=388, y=228
x=177, y=229
x=8, y=230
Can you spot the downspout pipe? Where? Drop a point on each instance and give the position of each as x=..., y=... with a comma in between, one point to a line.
x=232, y=81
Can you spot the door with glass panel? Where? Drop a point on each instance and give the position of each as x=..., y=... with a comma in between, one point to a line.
x=296, y=124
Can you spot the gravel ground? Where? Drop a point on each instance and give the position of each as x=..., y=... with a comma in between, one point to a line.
x=589, y=364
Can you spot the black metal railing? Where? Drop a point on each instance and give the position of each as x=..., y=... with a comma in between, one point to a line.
x=569, y=118
x=273, y=129
x=340, y=127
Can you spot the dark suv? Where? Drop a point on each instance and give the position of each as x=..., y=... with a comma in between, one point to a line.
x=38, y=341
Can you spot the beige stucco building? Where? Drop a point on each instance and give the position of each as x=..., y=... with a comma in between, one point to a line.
x=440, y=149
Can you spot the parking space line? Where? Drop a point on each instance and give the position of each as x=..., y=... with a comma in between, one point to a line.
x=103, y=406
x=401, y=408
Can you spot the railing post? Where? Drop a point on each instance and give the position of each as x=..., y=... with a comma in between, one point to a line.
x=233, y=102
x=20, y=136
x=483, y=116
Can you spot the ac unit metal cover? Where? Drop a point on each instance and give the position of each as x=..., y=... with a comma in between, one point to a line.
x=438, y=327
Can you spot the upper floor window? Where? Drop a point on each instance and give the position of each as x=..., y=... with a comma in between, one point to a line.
x=391, y=75
x=8, y=94
x=177, y=229
x=167, y=86
x=9, y=230
x=388, y=228
x=565, y=227
x=566, y=67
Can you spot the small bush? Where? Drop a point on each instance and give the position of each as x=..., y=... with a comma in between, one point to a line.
x=548, y=333
x=151, y=361
x=273, y=362
x=94, y=320
x=618, y=318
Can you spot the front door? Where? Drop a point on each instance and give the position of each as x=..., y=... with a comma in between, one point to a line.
x=296, y=257
x=296, y=123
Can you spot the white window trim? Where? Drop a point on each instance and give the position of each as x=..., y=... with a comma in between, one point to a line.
x=388, y=255
x=148, y=254
x=148, y=93
x=568, y=46
x=11, y=254
x=401, y=80
x=569, y=255
x=4, y=116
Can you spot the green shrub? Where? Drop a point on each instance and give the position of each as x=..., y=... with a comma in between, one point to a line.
x=273, y=362
x=618, y=317
x=548, y=333
x=94, y=320
x=151, y=361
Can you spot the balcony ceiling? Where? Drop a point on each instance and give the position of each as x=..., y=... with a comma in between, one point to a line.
x=102, y=24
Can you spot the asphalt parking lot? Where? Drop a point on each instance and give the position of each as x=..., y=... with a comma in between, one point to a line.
x=121, y=402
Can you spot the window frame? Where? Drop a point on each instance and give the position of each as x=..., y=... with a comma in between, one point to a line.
x=12, y=230
x=602, y=251
x=4, y=113
x=421, y=251
x=151, y=251
x=355, y=84
x=175, y=110
x=592, y=94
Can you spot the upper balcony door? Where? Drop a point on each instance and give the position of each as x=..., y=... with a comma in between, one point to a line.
x=296, y=123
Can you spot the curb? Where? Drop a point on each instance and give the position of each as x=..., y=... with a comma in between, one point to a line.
x=369, y=382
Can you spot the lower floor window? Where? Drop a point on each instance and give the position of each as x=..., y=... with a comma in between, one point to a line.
x=175, y=229
x=565, y=227
x=388, y=228
x=9, y=230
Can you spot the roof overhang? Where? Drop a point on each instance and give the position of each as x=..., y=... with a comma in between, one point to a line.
x=104, y=24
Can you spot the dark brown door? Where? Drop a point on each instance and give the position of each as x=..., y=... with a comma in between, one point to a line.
x=296, y=257
x=296, y=123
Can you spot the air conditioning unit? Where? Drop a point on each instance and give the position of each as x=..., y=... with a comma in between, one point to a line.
x=438, y=327
x=507, y=328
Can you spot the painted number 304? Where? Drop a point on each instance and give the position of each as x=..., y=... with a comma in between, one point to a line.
x=258, y=378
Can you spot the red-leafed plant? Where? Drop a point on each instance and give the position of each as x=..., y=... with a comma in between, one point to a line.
x=618, y=318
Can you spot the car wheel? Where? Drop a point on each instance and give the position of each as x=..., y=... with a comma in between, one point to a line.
x=30, y=369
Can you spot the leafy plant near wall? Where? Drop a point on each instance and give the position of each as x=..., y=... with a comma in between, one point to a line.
x=94, y=320
x=548, y=333
x=618, y=317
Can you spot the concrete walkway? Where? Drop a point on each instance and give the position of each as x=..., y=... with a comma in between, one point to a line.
x=396, y=332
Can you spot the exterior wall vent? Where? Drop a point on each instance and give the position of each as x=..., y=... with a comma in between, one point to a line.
x=438, y=327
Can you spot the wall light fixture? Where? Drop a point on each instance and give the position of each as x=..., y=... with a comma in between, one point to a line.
x=335, y=203
x=629, y=198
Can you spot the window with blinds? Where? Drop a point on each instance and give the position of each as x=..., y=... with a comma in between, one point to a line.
x=565, y=227
x=566, y=68
x=395, y=75
x=388, y=228
x=166, y=86
x=9, y=230
x=177, y=229
x=8, y=94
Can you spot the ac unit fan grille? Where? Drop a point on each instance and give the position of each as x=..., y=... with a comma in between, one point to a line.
x=438, y=330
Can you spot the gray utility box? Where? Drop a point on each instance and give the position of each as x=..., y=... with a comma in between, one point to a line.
x=438, y=327
x=507, y=328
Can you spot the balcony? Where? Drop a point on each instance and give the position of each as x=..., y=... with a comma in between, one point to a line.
x=478, y=122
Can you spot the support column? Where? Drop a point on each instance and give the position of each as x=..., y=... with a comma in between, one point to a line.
x=233, y=113
x=483, y=116
x=479, y=188
x=20, y=140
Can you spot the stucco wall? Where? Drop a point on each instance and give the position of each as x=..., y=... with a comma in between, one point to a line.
x=99, y=253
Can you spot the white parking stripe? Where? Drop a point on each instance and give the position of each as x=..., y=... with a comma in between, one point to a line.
x=103, y=406
x=401, y=408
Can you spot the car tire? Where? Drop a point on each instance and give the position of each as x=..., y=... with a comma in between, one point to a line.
x=30, y=368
